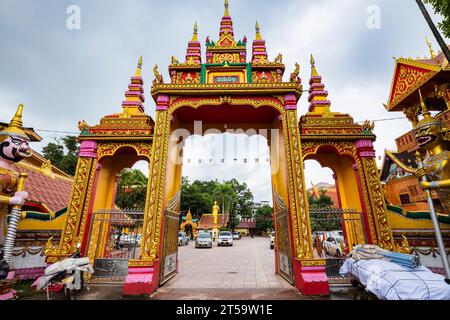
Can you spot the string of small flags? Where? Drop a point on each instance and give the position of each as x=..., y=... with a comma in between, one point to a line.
x=235, y=160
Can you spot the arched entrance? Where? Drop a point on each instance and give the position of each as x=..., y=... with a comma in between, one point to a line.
x=227, y=92
x=348, y=193
x=270, y=118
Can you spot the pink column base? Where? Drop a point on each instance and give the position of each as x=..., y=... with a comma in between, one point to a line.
x=8, y=296
x=311, y=281
x=139, y=281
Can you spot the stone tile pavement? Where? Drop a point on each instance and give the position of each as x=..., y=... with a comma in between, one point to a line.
x=249, y=263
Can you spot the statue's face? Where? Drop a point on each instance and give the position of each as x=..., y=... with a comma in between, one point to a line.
x=15, y=149
x=428, y=136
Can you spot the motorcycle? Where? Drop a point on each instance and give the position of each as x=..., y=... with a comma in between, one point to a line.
x=67, y=273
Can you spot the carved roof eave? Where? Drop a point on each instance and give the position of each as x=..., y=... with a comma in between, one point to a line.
x=403, y=166
x=185, y=66
x=121, y=138
x=334, y=137
x=222, y=48
x=396, y=104
x=270, y=65
x=227, y=89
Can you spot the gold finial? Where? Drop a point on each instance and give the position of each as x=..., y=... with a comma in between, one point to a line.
x=16, y=121
x=139, y=66
x=314, y=72
x=15, y=127
x=194, y=36
x=226, y=14
x=258, y=34
x=425, y=112
x=430, y=46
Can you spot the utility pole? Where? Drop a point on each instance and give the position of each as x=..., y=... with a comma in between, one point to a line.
x=435, y=31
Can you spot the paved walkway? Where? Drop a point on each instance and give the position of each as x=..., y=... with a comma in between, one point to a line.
x=249, y=263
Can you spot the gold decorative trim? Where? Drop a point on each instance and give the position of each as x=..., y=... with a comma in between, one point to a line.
x=256, y=103
x=297, y=191
x=156, y=186
x=110, y=148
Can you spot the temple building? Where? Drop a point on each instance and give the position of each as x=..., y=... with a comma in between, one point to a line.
x=416, y=83
x=432, y=76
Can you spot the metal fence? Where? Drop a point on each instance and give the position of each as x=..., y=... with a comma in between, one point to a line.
x=117, y=233
x=344, y=226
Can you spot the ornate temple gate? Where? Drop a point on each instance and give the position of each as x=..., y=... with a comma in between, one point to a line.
x=225, y=92
x=169, y=256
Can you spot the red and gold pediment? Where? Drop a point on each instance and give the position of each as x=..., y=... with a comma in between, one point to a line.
x=226, y=41
x=408, y=77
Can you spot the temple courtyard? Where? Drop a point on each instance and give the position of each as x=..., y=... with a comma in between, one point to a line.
x=244, y=271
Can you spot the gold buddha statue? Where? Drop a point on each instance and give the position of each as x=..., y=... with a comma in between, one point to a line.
x=215, y=212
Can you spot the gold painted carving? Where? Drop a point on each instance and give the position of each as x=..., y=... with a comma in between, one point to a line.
x=155, y=191
x=109, y=148
x=376, y=199
x=228, y=99
x=297, y=192
x=78, y=207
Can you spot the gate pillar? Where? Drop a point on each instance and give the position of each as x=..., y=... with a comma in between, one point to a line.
x=309, y=273
x=143, y=273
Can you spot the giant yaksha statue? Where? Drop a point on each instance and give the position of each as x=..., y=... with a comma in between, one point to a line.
x=14, y=146
x=433, y=137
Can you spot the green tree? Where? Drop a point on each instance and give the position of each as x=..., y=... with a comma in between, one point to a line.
x=244, y=203
x=442, y=7
x=264, y=218
x=322, y=201
x=322, y=221
x=197, y=196
x=63, y=154
x=131, y=189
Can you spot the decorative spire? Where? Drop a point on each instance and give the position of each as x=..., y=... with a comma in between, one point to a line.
x=430, y=46
x=134, y=97
x=428, y=119
x=194, y=52
x=259, y=51
x=314, y=72
x=425, y=112
x=258, y=35
x=226, y=25
x=195, y=35
x=139, y=67
x=317, y=94
x=15, y=127
x=226, y=13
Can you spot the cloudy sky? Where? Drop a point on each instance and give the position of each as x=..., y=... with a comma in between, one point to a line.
x=63, y=75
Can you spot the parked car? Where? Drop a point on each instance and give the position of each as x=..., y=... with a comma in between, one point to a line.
x=225, y=238
x=237, y=236
x=130, y=239
x=272, y=240
x=332, y=247
x=183, y=238
x=203, y=240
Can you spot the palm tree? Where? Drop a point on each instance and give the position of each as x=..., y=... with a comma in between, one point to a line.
x=226, y=196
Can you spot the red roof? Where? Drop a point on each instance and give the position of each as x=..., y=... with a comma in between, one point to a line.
x=54, y=192
x=246, y=225
x=207, y=221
